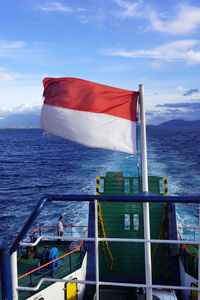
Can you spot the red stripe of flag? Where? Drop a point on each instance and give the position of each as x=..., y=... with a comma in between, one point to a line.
x=83, y=95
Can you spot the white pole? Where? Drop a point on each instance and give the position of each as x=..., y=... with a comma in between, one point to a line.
x=145, y=188
x=199, y=259
x=13, y=261
x=96, y=249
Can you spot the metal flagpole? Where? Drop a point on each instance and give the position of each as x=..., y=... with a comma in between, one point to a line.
x=145, y=188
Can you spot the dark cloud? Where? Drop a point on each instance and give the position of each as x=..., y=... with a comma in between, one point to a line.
x=173, y=111
x=169, y=111
x=191, y=91
x=186, y=105
x=150, y=113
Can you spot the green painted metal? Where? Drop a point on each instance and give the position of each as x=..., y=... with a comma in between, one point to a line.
x=129, y=257
x=115, y=184
x=189, y=259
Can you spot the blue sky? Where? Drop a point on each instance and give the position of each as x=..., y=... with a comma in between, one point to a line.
x=115, y=42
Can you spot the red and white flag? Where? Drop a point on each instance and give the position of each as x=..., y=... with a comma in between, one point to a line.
x=90, y=114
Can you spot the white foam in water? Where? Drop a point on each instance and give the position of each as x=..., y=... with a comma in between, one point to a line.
x=177, y=160
x=57, y=166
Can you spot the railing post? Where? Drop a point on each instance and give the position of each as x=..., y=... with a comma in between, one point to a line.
x=70, y=263
x=199, y=259
x=14, y=275
x=96, y=249
x=5, y=271
x=31, y=282
x=80, y=255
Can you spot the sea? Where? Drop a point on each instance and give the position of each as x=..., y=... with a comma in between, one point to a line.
x=33, y=164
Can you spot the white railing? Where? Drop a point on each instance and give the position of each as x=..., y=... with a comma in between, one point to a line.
x=97, y=282
x=156, y=286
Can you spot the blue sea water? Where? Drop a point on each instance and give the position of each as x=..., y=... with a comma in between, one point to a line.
x=33, y=165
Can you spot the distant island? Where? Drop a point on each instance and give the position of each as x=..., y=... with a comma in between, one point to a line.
x=180, y=123
x=20, y=121
x=33, y=121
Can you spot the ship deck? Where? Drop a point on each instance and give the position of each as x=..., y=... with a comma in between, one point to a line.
x=29, y=261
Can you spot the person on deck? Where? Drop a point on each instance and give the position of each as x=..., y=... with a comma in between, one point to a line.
x=60, y=226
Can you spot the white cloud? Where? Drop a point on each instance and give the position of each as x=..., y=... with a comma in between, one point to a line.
x=56, y=6
x=130, y=9
x=24, y=108
x=176, y=51
x=14, y=94
x=157, y=64
x=5, y=76
x=12, y=44
x=7, y=46
x=185, y=22
x=193, y=57
x=180, y=50
x=185, y=18
x=59, y=7
x=5, y=110
x=23, y=51
x=180, y=88
x=29, y=107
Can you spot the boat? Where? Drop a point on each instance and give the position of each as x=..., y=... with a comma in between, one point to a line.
x=131, y=247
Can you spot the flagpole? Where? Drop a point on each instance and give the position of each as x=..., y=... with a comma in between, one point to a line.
x=145, y=188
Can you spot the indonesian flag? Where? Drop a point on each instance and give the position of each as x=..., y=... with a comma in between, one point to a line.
x=90, y=114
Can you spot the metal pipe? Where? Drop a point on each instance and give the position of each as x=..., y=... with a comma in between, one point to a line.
x=156, y=286
x=13, y=260
x=117, y=240
x=29, y=222
x=147, y=197
x=5, y=271
x=143, y=197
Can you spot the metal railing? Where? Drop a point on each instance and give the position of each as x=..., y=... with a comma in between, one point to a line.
x=194, y=231
x=52, y=238
x=5, y=271
x=144, y=197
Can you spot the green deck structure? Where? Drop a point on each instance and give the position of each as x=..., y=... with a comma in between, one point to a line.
x=128, y=258
x=115, y=184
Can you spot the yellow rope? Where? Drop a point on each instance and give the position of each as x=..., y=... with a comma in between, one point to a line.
x=161, y=230
x=163, y=218
x=105, y=243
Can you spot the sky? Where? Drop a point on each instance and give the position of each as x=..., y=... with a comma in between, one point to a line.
x=121, y=43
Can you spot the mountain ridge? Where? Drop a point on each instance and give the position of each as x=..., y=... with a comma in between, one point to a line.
x=20, y=120
x=33, y=120
x=180, y=123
